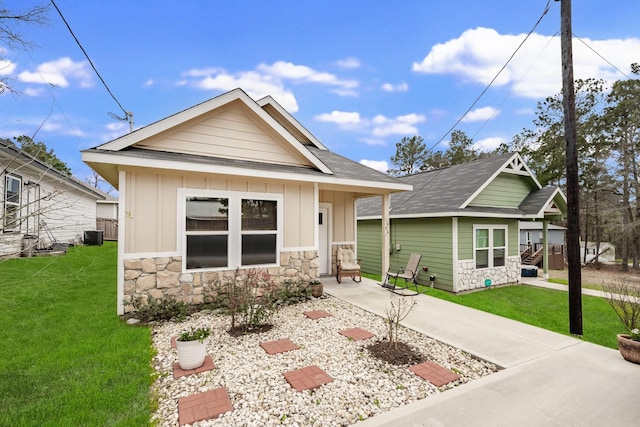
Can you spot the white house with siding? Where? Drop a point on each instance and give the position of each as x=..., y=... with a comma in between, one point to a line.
x=40, y=205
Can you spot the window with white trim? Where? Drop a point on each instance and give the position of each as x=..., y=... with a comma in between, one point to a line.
x=224, y=230
x=490, y=245
x=11, y=208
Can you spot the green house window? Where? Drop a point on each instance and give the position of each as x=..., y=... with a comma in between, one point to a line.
x=490, y=246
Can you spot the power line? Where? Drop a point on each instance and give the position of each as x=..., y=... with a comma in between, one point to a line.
x=546, y=9
x=601, y=57
x=128, y=115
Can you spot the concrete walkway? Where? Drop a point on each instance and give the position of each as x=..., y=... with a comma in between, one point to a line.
x=549, y=379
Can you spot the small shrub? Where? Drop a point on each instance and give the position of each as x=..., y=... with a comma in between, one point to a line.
x=624, y=299
x=252, y=299
x=291, y=289
x=398, y=310
x=194, y=334
x=165, y=308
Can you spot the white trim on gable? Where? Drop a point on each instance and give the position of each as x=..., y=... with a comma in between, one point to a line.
x=205, y=107
x=514, y=165
x=268, y=100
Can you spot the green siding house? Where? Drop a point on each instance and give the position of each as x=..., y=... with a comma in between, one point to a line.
x=462, y=219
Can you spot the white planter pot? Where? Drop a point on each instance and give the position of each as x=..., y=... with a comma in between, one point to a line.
x=191, y=354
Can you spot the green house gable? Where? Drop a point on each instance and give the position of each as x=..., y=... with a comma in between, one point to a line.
x=463, y=220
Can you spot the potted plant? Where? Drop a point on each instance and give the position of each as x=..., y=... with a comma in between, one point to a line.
x=624, y=298
x=191, y=347
x=316, y=288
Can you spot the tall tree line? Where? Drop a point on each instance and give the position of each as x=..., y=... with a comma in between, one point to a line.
x=608, y=132
x=608, y=138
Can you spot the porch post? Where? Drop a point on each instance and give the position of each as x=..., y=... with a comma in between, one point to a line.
x=385, y=234
x=545, y=250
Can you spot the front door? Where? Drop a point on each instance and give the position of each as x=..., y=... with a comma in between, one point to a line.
x=323, y=235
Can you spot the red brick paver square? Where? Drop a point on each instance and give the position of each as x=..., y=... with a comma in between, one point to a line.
x=434, y=373
x=204, y=406
x=278, y=346
x=207, y=366
x=356, y=334
x=317, y=314
x=308, y=378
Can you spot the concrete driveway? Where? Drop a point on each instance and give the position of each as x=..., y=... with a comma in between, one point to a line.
x=549, y=379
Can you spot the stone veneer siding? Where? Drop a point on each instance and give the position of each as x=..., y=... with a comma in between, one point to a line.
x=160, y=277
x=470, y=278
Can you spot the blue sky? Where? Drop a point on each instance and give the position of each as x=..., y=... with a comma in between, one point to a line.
x=360, y=75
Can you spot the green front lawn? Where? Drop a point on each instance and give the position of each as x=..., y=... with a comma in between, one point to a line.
x=66, y=359
x=545, y=308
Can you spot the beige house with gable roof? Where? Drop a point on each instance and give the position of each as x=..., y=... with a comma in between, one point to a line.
x=230, y=183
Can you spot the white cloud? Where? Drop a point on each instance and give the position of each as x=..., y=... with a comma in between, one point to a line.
x=114, y=130
x=488, y=144
x=379, y=165
x=349, y=63
x=267, y=80
x=374, y=141
x=255, y=84
x=6, y=67
x=302, y=73
x=481, y=114
x=401, y=125
x=33, y=91
x=478, y=54
x=340, y=117
x=400, y=87
x=59, y=73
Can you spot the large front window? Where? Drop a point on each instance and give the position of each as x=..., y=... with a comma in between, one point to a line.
x=224, y=230
x=490, y=246
x=11, y=208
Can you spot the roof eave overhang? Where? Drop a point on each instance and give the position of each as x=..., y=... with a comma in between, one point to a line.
x=113, y=161
x=457, y=214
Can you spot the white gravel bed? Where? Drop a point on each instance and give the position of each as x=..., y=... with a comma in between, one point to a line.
x=363, y=386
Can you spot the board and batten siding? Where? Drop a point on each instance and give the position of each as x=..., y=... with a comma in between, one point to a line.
x=465, y=235
x=432, y=238
x=150, y=210
x=343, y=208
x=229, y=132
x=505, y=191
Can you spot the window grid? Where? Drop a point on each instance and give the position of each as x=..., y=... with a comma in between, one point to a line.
x=253, y=232
x=489, y=246
x=11, y=197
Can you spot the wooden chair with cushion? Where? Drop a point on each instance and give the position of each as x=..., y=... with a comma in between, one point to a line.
x=409, y=275
x=347, y=265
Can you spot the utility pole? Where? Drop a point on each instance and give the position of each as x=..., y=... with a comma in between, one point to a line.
x=573, y=202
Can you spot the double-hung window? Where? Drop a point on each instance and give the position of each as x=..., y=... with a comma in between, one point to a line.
x=490, y=245
x=225, y=230
x=11, y=208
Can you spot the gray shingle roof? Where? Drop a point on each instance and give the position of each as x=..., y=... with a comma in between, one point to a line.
x=442, y=190
x=348, y=169
x=13, y=152
x=445, y=191
x=341, y=167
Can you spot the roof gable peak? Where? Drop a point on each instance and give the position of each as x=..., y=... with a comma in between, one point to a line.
x=236, y=95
